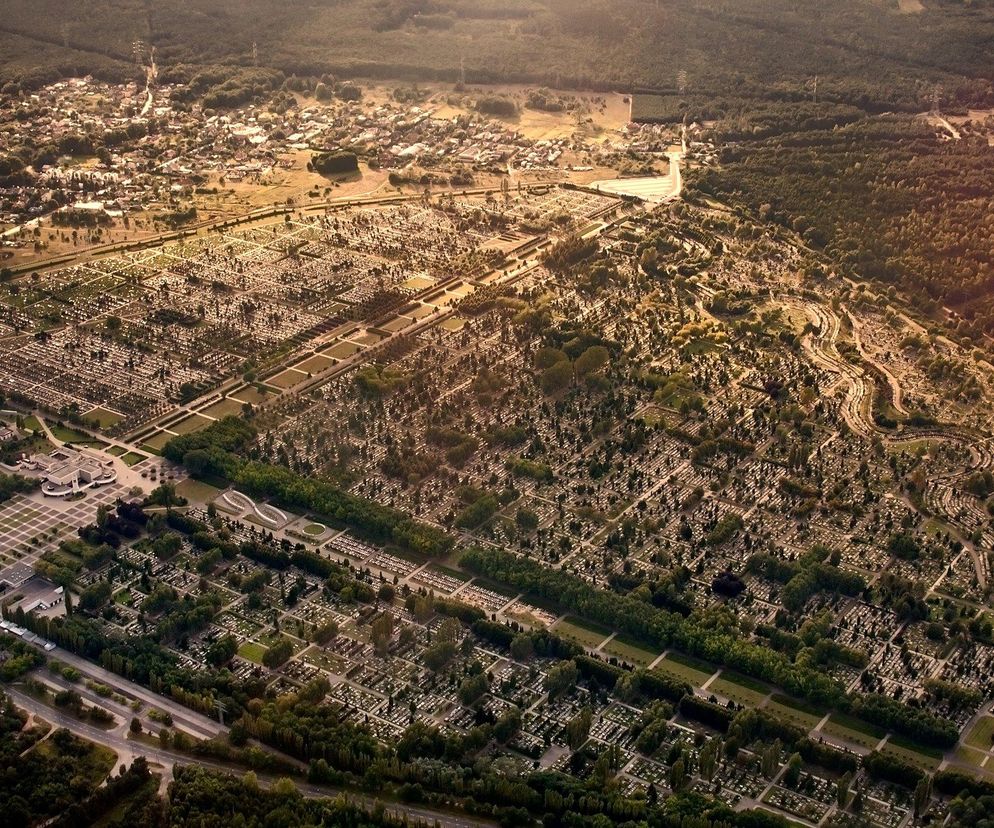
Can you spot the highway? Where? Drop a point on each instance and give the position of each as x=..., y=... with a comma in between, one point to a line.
x=128, y=748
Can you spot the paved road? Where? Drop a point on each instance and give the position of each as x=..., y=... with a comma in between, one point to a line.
x=129, y=748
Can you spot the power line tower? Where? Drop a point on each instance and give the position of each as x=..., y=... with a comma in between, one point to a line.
x=220, y=710
x=814, y=89
x=138, y=50
x=681, y=81
x=936, y=98
x=64, y=29
x=462, y=70
x=255, y=53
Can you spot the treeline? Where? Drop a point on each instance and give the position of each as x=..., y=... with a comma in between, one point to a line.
x=907, y=208
x=220, y=449
x=805, y=577
x=664, y=629
x=12, y=484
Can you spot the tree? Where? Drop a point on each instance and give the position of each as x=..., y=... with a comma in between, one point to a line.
x=578, y=728
x=708, y=761
x=792, y=775
x=522, y=648
x=136, y=725
x=770, y=760
x=557, y=378
x=278, y=653
x=382, y=632
x=678, y=774
x=591, y=360
x=561, y=678
x=526, y=519
x=842, y=790
x=472, y=688
x=923, y=794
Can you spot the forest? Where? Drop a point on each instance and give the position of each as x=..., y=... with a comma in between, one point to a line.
x=864, y=52
x=883, y=198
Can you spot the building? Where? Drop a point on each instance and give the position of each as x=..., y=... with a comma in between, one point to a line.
x=67, y=470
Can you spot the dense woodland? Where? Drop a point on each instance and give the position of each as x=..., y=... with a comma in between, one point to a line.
x=865, y=52
x=885, y=198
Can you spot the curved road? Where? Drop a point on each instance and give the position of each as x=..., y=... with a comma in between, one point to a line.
x=169, y=758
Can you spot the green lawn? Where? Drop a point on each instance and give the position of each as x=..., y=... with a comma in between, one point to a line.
x=790, y=710
x=914, y=755
x=104, y=418
x=157, y=441
x=197, y=491
x=190, y=424
x=676, y=666
x=969, y=756
x=853, y=731
x=69, y=435
x=251, y=651
x=133, y=457
x=580, y=632
x=981, y=734
x=628, y=650
x=223, y=408
x=735, y=688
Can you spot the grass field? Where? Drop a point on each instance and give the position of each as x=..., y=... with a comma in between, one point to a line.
x=251, y=395
x=581, y=632
x=251, y=651
x=981, y=735
x=853, y=731
x=287, y=379
x=69, y=435
x=739, y=689
x=157, y=441
x=190, y=424
x=789, y=710
x=342, y=350
x=315, y=364
x=971, y=757
x=104, y=418
x=685, y=669
x=903, y=750
x=196, y=491
x=223, y=408
x=627, y=650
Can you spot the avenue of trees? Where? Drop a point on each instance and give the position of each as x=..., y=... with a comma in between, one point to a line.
x=700, y=639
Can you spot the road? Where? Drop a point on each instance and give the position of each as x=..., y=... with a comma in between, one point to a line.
x=127, y=749
x=150, y=78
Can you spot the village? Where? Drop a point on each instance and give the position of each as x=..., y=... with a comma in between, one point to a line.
x=89, y=164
